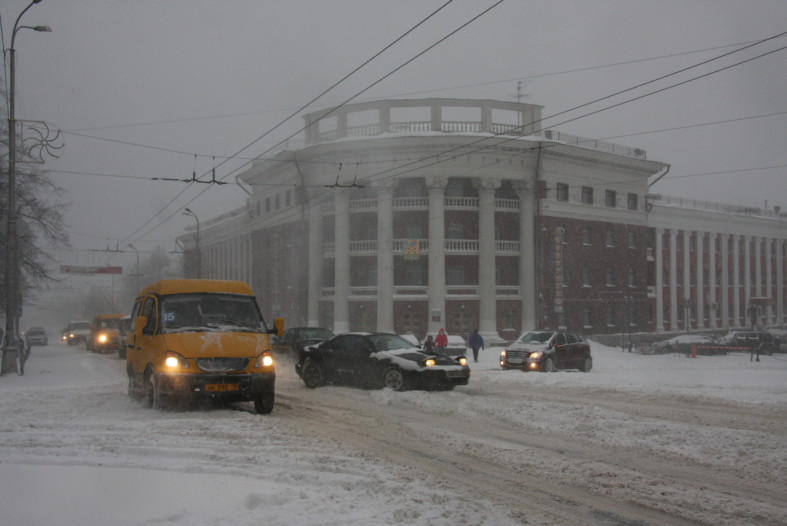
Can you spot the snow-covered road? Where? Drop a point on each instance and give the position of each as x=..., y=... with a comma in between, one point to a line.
x=645, y=440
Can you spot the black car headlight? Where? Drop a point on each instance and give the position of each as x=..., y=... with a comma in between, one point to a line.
x=462, y=361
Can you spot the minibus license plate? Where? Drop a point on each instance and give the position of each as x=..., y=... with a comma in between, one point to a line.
x=222, y=387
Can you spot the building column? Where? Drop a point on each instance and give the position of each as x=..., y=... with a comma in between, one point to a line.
x=673, y=279
x=769, y=280
x=527, y=252
x=700, y=272
x=437, y=316
x=736, y=281
x=780, y=281
x=315, y=262
x=686, y=278
x=713, y=303
x=341, y=302
x=725, y=281
x=487, y=286
x=658, y=257
x=385, y=259
x=747, y=290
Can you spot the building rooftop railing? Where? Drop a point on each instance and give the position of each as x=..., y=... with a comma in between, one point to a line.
x=507, y=119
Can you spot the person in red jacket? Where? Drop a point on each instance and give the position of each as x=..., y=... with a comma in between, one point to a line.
x=441, y=341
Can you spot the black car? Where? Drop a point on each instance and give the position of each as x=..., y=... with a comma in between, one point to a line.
x=295, y=338
x=548, y=351
x=379, y=360
x=753, y=341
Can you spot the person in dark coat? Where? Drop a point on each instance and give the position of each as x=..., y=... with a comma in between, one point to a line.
x=429, y=345
x=476, y=342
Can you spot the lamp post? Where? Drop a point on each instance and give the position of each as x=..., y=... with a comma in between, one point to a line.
x=132, y=247
x=12, y=262
x=187, y=211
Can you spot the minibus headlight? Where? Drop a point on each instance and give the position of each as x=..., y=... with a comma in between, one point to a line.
x=174, y=360
x=264, y=360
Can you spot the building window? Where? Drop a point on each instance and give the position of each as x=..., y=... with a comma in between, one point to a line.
x=276, y=201
x=259, y=205
x=632, y=278
x=267, y=204
x=562, y=192
x=412, y=231
x=455, y=231
x=587, y=195
x=610, y=198
x=587, y=318
x=610, y=277
x=610, y=241
x=586, y=277
x=611, y=315
x=455, y=275
x=632, y=201
x=287, y=197
x=632, y=240
x=586, y=236
x=413, y=275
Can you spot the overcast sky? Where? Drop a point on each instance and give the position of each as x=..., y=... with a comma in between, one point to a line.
x=138, y=88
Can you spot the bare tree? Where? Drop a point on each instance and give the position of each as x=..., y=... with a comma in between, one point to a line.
x=39, y=211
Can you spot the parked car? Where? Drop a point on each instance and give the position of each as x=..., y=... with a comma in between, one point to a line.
x=124, y=328
x=758, y=341
x=379, y=360
x=682, y=344
x=294, y=338
x=104, y=333
x=456, y=344
x=548, y=351
x=36, y=336
x=77, y=331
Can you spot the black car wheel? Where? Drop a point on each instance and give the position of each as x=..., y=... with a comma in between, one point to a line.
x=393, y=378
x=311, y=374
x=263, y=404
x=587, y=365
x=549, y=366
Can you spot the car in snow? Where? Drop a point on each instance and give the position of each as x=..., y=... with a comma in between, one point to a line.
x=548, y=351
x=104, y=333
x=456, y=344
x=682, y=344
x=295, y=338
x=36, y=336
x=77, y=331
x=200, y=339
x=379, y=360
x=752, y=341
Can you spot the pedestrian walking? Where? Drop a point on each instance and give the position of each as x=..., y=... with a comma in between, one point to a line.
x=476, y=342
x=429, y=345
x=441, y=341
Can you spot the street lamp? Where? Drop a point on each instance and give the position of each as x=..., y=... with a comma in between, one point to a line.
x=132, y=247
x=187, y=212
x=12, y=262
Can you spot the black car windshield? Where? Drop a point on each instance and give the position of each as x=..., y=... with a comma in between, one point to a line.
x=389, y=342
x=78, y=326
x=210, y=312
x=315, y=334
x=535, y=337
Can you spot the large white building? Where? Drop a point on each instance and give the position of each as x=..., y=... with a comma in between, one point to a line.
x=412, y=215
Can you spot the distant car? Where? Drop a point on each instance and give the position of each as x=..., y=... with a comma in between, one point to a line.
x=378, y=360
x=36, y=336
x=758, y=341
x=456, y=344
x=548, y=351
x=682, y=344
x=77, y=331
x=104, y=333
x=295, y=338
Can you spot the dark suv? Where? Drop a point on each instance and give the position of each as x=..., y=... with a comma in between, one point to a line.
x=757, y=341
x=547, y=351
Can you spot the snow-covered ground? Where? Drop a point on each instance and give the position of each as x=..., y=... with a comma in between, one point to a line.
x=652, y=439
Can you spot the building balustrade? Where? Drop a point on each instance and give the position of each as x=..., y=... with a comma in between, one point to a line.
x=452, y=246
